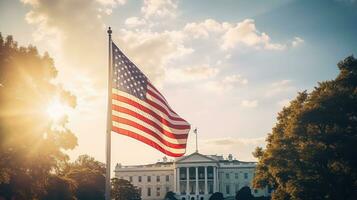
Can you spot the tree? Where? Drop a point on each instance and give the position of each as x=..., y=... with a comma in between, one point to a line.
x=311, y=152
x=244, y=194
x=216, y=196
x=89, y=177
x=170, y=196
x=124, y=190
x=31, y=143
x=59, y=188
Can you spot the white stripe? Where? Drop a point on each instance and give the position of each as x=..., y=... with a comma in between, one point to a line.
x=149, y=117
x=148, y=136
x=157, y=93
x=164, y=106
x=131, y=118
x=144, y=104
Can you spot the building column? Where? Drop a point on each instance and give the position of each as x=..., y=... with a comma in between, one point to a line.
x=206, y=184
x=214, y=180
x=187, y=181
x=177, y=180
x=197, y=191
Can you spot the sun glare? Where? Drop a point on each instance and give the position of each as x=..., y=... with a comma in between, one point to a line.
x=56, y=110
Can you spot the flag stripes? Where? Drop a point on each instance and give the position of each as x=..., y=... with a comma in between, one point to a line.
x=140, y=111
x=139, y=120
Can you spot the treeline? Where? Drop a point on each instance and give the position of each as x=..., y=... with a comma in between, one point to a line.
x=33, y=165
x=311, y=153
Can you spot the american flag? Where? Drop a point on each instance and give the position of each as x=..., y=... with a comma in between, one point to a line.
x=140, y=111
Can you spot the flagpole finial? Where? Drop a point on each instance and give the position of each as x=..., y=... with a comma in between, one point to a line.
x=109, y=31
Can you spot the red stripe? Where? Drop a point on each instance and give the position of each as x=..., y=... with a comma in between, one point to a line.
x=157, y=106
x=160, y=99
x=146, y=130
x=145, y=140
x=157, y=91
x=152, y=123
x=143, y=108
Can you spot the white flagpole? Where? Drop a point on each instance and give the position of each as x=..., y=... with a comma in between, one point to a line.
x=109, y=120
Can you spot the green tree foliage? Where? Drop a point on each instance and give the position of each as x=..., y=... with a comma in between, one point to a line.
x=311, y=153
x=244, y=194
x=170, y=196
x=124, y=190
x=89, y=177
x=59, y=188
x=31, y=144
x=216, y=196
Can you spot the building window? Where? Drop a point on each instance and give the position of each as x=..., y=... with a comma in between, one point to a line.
x=167, y=178
x=182, y=173
x=158, y=191
x=236, y=175
x=130, y=178
x=227, y=176
x=157, y=178
x=139, y=178
x=149, y=179
x=149, y=192
x=139, y=190
x=245, y=175
x=227, y=189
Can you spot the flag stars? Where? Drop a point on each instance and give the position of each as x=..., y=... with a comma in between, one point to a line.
x=127, y=77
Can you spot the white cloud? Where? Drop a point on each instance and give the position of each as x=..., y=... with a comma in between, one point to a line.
x=134, y=22
x=249, y=103
x=152, y=50
x=297, y=41
x=231, y=35
x=112, y=3
x=159, y=8
x=241, y=148
x=203, y=29
x=191, y=73
x=245, y=32
x=283, y=103
x=279, y=87
x=227, y=83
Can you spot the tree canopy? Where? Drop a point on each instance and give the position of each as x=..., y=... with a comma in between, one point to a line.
x=124, y=190
x=311, y=152
x=31, y=143
x=89, y=177
x=216, y=196
x=170, y=196
x=244, y=193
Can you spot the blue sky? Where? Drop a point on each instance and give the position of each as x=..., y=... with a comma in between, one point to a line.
x=226, y=66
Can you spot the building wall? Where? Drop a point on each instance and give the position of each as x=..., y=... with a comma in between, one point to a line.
x=154, y=183
x=232, y=176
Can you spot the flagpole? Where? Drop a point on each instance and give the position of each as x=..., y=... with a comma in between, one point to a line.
x=109, y=119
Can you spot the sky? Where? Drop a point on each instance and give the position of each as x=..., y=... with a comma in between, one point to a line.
x=228, y=67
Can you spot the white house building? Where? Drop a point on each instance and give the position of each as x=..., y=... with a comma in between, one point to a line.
x=192, y=177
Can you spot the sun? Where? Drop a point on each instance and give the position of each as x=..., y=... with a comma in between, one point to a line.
x=56, y=110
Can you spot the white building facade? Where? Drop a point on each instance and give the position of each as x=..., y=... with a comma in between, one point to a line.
x=192, y=177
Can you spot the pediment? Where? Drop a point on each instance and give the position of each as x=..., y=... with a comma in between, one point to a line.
x=195, y=157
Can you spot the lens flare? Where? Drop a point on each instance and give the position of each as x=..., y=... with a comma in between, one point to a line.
x=56, y=110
